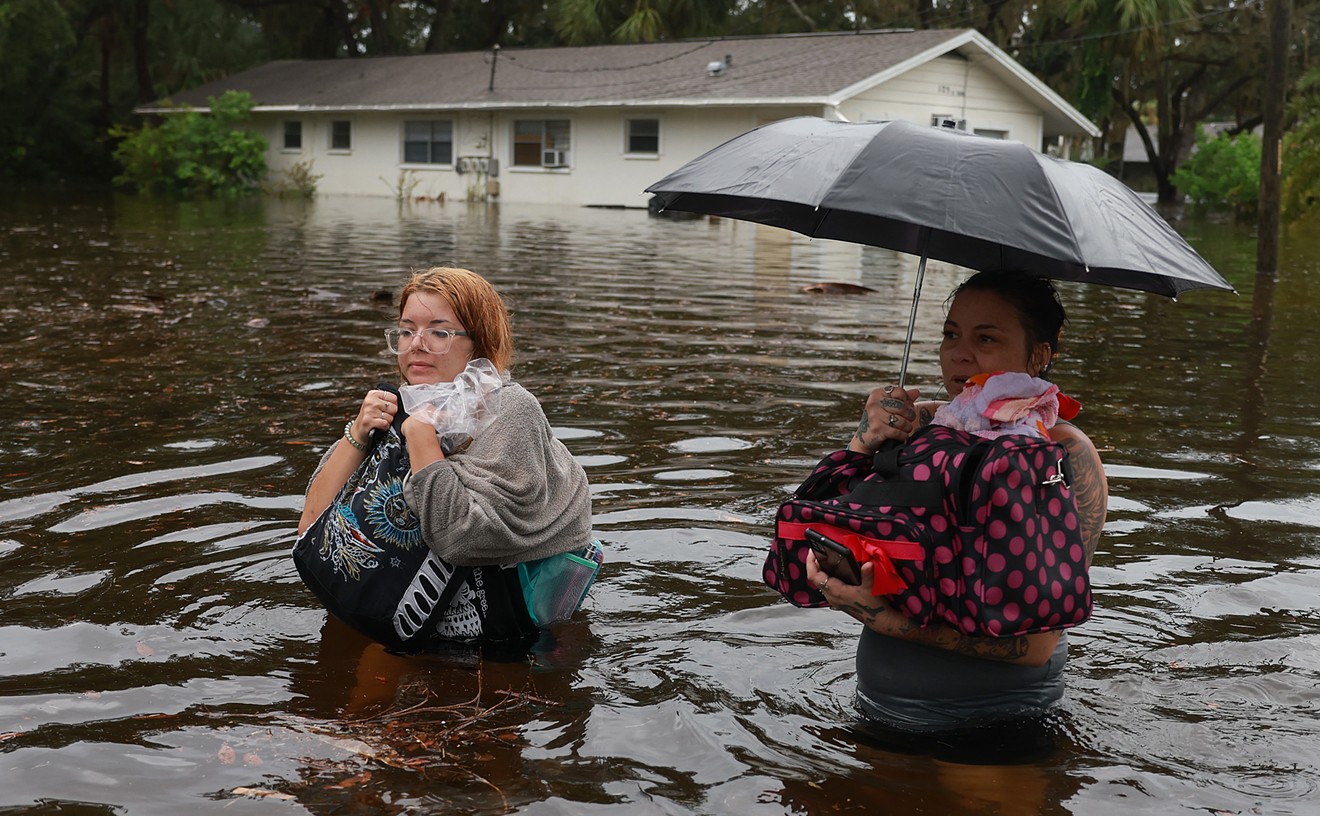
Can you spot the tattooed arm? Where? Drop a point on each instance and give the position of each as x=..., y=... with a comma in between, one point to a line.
x=1089, y=483
x=876, y=614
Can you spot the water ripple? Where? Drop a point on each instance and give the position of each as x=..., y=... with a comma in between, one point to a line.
x=159, y=440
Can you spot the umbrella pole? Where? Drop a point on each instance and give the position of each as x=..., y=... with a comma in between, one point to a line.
x=916, y=298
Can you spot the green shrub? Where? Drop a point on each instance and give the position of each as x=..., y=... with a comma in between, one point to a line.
x=191, y=153
x=1224, y=172
x=1301, y=148
x=1301, y=167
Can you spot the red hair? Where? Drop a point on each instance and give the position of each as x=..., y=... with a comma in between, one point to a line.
x=477, y=306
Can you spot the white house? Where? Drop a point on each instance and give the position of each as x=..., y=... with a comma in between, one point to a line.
x=595, y=125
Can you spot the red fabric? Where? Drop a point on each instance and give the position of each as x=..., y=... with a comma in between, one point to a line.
x=1068, y=407
x=880, y=552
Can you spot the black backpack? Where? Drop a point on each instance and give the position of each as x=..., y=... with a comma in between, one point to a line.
x=365, y=559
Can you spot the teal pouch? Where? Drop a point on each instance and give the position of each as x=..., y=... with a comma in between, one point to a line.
x=555, y=587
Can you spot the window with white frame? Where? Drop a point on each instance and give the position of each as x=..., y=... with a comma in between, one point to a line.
x=541, y=143
x=341, y=134
x=428, y=141
x=992, y=133
x=293, y=135
x=642, y=137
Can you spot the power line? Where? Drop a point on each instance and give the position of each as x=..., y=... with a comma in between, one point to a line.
x=1134, y=30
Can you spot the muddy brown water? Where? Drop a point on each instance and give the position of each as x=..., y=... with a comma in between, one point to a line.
x=171, y=373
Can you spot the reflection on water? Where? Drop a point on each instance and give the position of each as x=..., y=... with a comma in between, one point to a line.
x=172, y=372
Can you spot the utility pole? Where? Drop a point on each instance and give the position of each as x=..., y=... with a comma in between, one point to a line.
x=1276, y=90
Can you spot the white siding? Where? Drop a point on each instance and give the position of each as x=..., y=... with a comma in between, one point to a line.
x=950, y=85
x=371, y=167
x=600, y=172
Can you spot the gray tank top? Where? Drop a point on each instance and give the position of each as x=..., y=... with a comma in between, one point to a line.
x=915, y=687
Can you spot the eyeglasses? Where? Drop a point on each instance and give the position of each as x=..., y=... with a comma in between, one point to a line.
x=436, y=341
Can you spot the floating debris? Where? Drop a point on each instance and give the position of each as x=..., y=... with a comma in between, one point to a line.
x=836, y=288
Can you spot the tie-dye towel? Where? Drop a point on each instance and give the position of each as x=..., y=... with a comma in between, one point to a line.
x=1007, y=402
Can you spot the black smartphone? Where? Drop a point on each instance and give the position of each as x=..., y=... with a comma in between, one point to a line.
x=834, y=558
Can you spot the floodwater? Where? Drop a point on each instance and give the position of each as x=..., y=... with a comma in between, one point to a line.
x=171, y=373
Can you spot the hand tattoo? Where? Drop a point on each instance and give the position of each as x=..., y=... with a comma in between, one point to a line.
x=863, y=426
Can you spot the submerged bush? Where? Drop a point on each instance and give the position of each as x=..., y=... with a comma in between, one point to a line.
x=194, y=153
x=297, y=181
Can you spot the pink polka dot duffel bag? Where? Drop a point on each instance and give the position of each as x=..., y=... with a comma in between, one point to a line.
x=982, y=534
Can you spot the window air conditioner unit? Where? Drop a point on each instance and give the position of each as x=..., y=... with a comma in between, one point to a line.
x=554, y=158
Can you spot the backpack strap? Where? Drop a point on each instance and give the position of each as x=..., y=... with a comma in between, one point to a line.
x=399, y=415
x=836, y=469
x=888, y=456
x=885, y=462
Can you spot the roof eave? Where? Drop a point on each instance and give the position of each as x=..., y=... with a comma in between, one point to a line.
x=1066, y=120
x=676, y=102
x=1060, y=117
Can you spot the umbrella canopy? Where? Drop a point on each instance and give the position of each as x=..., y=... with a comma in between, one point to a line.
x=970, y=200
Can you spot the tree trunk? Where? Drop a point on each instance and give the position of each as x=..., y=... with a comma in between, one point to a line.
x=1267, y=235
x=338, y=17
x=380, y=28
x=146, y=89
x=926, y=13
x=440, y=11
x=106, y=41
x=1162, y=163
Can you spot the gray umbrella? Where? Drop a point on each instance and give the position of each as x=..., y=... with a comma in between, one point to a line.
x=974, y=201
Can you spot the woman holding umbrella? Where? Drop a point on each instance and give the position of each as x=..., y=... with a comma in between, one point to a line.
x=936, y=678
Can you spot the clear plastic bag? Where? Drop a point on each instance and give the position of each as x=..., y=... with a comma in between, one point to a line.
x=460, y=409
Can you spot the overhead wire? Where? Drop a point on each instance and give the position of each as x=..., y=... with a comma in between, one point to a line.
x=1134, y=30
x=950, y=16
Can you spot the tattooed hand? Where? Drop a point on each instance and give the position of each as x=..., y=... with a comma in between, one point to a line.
x=891, y=413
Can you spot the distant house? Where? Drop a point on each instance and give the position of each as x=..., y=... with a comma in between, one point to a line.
x=1135, y=169
x=596, y=125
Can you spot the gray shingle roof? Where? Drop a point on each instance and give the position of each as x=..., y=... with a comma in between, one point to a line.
x=765, y=69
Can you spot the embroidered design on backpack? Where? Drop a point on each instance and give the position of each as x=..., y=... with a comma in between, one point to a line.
x=345, y=548
x=389, y=515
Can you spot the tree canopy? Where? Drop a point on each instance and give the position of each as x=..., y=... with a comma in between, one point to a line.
x=1164, y=66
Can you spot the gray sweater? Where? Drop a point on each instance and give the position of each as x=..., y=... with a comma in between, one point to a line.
x=515, y=494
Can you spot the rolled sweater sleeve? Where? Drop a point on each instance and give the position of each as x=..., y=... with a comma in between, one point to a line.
x=516, y=494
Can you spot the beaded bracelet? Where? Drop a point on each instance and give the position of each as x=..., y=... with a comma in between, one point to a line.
x=348, y=434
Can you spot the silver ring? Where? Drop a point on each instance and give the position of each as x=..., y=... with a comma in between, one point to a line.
x=889, y=389
x=893, y=420
x=824, y=584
